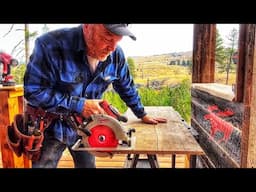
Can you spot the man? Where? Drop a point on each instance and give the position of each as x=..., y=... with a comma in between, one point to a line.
x=71, y=69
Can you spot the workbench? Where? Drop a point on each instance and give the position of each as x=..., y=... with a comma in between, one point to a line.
x=171, y=138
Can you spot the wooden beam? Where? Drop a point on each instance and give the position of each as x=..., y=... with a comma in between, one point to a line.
x=203, y=68
x=240, y=72
x=248, y=147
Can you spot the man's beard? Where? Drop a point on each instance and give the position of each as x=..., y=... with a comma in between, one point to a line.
x=100, y=57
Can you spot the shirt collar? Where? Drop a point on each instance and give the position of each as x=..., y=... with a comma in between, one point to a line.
x=81, y=42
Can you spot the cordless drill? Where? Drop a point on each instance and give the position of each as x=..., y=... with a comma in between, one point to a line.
x=6, y=61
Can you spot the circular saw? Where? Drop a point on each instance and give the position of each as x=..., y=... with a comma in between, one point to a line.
x=102, y=134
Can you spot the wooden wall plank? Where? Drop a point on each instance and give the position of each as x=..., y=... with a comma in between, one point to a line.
x=219, y=123
x=216, y=89
x=251, y=162
x=248, y=151
x=214, y=152
x=240, y=71
x=203, y=67
x=229, y=143
x=206, y=99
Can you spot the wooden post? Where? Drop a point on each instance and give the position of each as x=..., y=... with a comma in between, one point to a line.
x=203, y=67
x=240, y=72
x=11, y=103
x=247, y=63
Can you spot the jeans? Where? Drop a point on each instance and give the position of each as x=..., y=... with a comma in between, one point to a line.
x=51, y=153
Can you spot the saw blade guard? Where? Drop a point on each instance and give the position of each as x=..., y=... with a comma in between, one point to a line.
x=102, y=136
x=108, y=121
x=105, y=132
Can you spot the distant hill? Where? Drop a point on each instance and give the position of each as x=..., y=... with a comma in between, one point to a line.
x=172, y=54
x=163, y=58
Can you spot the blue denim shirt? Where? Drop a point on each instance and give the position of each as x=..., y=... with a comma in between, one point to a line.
x=58, y=75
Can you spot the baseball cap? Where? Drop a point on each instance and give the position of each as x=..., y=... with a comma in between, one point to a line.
x=120, y=29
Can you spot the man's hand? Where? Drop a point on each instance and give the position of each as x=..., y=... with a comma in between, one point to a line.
x=91, y=107
x=153, y=120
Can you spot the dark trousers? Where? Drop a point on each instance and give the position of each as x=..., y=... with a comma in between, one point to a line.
x=51, y=153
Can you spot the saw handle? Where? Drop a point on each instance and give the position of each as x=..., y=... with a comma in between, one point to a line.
x=76, y=123
x=112, y=111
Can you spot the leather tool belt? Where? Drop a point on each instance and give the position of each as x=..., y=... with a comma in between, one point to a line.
x=25, y=135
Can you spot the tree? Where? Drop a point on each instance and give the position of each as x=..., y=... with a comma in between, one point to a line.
x=220, y=52
x=26, y=33
x=45, y=28
x=23, y=44
x=131, y=66
x=189, y=64
x=233, y=42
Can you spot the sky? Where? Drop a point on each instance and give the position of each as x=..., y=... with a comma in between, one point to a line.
x=152, y=39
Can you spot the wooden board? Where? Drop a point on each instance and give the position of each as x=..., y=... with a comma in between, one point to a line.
x=164, y=138
x=214, y=151
x=216, y=89
x=207, y=100
x=218, y=122
x=168, y=138
x=13, y=88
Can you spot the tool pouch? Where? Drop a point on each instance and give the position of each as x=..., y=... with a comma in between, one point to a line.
x=14, y=140
x=32, y=146
x=19, y=142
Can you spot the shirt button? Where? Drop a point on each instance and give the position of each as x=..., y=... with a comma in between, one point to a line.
x=79, y=78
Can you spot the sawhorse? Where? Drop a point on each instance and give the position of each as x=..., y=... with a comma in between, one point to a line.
x=132, y=161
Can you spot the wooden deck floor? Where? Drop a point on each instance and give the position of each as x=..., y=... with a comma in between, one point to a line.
x=118, y=160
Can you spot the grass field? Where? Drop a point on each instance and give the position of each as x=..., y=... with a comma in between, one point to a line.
x=170, y=74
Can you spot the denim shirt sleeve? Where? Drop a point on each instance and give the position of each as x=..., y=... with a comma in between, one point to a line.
x=125, y=85
x=41, y=77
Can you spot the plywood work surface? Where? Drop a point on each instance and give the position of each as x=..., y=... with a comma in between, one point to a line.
x=164, y=138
